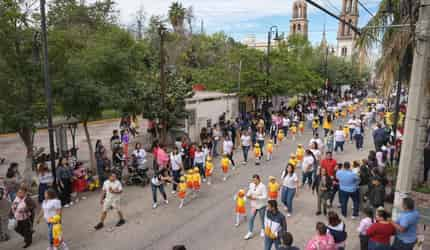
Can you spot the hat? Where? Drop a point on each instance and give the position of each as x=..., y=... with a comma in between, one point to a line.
x=272, y=178
x=292, y=155
x=190, y=171
x=209, y=158
x=271, y=141
x=196, y=170
x=299, y=145
x=182, y=178
x=241, y=192
x=257, y=145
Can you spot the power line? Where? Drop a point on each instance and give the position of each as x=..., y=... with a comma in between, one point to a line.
x=333, y=6
x=365, y=8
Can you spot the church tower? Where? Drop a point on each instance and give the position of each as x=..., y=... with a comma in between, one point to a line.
x=299, y=22
x=346, y=37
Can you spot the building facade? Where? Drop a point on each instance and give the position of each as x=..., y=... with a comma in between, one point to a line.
x=299, y=22
x=346, y=37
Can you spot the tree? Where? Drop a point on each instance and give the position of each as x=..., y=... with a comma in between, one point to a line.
x=177, y=14
x=22, y=104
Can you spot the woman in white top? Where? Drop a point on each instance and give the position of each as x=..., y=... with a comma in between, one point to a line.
x=50, y=206
x=290, y=187
x=339, y=139
x=199, y=161
x=228, y=149
x=45, y=180
x=176, y=166
x=260, y=139
x=245, y=140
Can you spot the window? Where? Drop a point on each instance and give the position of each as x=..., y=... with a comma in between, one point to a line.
x=294, y=28
x=299, y=27
x=344, y=51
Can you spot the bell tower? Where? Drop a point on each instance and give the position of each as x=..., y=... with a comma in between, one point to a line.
x=346, y=37
x=299, y=22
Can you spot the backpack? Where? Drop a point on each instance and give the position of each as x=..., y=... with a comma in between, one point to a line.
x=339, y=236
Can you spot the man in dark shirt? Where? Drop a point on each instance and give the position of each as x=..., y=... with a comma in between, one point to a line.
x=379, y=137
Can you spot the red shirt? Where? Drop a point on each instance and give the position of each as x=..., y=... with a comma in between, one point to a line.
x=381, y=233
x=329, y=165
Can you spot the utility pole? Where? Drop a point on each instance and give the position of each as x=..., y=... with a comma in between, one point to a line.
x=162, y=33
x=419, y=78
x=48, y=90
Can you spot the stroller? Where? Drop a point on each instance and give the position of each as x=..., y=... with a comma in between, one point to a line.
x=137, y=173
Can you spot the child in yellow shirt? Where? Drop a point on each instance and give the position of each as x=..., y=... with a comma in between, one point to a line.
x=281, y=135
x=346, y=132
x=225, y=165
x=301, y=127
x=209, y=169
x=273, y=188
x=315, y=126
x=196, y=180
x=300, y=153
x=269, y=149
x=293, y=130
x=189, y=178
x=182, y=191
x=293, y=160
x=257, y=153
x=240, y=199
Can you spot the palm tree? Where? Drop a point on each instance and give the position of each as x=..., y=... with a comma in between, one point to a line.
x=397, y=43
x=177, y=15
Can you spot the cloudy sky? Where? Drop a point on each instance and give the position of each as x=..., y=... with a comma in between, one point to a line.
x=240, y=18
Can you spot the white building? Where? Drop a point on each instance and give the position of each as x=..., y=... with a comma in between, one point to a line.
x=206, y=107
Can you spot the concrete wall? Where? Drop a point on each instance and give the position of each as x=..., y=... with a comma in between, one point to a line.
x=202, y=111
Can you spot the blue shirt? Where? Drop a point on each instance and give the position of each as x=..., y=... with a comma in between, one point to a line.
x=409, y=221
x=348, y=181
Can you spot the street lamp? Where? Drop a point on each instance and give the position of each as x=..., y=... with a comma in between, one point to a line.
x=48, y=90
x=272, y=31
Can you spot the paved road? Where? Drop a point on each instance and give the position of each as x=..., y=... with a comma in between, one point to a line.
x=206, y=222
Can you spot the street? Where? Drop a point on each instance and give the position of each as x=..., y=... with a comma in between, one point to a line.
x=206, y=222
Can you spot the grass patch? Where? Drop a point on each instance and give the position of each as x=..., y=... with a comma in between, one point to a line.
x=423, y=189
x=110, y=113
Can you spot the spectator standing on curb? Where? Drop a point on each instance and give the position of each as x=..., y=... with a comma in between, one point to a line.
x=406, y=226
x=257, y=194
x=4, y=215
x=348, y=188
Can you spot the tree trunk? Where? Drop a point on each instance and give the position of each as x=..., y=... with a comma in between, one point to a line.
x=27, y=136
x=90, y=147
x=422, y=137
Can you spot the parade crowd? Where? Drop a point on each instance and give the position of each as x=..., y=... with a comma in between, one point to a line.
x=188, y=166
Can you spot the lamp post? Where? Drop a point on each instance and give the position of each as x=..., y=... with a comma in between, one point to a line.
x=272, y=31
x=48, y=90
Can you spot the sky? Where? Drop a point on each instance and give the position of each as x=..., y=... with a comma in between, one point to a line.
x=241, y=18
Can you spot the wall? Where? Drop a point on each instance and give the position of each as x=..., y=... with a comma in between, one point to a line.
x=210, y=110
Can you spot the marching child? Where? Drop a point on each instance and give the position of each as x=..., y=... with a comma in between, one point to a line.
x=273, y=187
x=346, y=132
x=301, y=127
x=269, y=150
x=225, y=165
x=240, y=206
x=182, y=191
x=293, y=160
x=315, y=126
x=196, y=180
x=57, y=233
x=281, y=135
x=300, y=153
x=209, y=169
x=189, y=178
x=293, y=130
x=257, y=153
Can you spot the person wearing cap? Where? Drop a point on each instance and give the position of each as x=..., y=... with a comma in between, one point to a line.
x=269, y=150
x=257, y=153
x=209, y=167
x=257, y=194
x=240, y=206
x=273, y=187
x=182, y=191
x=293, y=160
